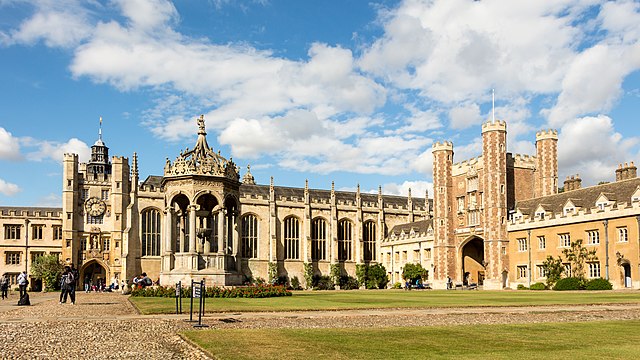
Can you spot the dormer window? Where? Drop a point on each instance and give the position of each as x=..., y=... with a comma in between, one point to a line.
x=540, y=215
x=569, y=210
x=601, y=206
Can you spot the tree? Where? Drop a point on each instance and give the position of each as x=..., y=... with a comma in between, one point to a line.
x=372, y=276
x=48, y=268
x=413, y=272
x=577, y=255
x=553, y=269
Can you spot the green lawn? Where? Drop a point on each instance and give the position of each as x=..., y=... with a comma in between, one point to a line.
x=592, y=340
x=370, y=299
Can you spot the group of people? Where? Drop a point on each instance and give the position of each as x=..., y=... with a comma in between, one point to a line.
x=68, y=284
x=142, y=280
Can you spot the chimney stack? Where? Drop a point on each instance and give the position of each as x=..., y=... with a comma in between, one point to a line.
x=626, y=172
x=572, y=183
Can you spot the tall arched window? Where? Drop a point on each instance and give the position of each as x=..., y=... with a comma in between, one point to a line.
x=369, y=241
x=151, y=232
x=250, y=237
x=318, y=240
x=291, y=238
x=344, y=240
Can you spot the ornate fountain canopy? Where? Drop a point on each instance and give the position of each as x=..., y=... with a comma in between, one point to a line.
x=202, y=160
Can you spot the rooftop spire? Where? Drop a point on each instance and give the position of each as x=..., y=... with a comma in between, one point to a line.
x=100, y=130
x=493, y=105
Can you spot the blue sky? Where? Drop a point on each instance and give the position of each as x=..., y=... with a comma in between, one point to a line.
x=349, y=91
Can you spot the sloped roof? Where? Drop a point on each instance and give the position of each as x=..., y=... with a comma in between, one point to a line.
x=418, y=226
x=621, y=191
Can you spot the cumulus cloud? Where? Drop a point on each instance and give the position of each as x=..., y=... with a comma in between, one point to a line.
x=418, y=188
x=55, y=150
x=464, y=116
x=598, y=161
x=593, y=83
x=62, y=23
x=8, y=188
x=9, y=145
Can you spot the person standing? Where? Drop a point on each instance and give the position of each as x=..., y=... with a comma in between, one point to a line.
x=87, y=283
x=22, y=283
x=72, y=289
x=4, y=285
x=67, y=283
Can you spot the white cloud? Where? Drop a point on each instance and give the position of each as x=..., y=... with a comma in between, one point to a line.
x=62, y=23
x=593, y=83
x=597, y=161
x=418, y=188
x=8, y=189
x=55, y=151
x=464, y=116
x=9, y=145
x=51, y=200
x=451, y=53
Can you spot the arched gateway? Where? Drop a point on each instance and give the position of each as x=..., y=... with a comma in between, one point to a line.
x=472, y=261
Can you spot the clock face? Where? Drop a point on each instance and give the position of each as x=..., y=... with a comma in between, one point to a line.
x=95, y=206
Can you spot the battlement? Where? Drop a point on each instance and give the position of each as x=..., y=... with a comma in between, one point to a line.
x=70, y=157
x=497, y=125
x=442, y=146
x=466, y=166
x=550, y=134
x=524, y=161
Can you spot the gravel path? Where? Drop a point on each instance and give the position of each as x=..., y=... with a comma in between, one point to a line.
x=106, y=326
x=100, y=326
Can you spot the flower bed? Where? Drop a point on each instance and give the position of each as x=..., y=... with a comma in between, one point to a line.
x=258, y=291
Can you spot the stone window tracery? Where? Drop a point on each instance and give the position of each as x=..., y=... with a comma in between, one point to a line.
x=345, y=237
x=291, y=238
x=318, y=240
x=369, y=240
x=250, y=237
x=150, y=233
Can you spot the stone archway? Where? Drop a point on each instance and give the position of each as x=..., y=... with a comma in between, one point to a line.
x=95, y=271
x=472, y=259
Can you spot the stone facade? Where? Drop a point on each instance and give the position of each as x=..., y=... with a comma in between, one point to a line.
x=200, y=221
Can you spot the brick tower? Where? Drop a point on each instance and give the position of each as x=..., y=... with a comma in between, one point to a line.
x=494, y=185
x=444, y=241
x=546, y=173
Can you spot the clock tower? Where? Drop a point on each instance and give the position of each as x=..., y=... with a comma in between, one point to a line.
x=95, y=199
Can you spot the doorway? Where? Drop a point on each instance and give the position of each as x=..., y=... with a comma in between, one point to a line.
x=627, y=275
x=472, y=259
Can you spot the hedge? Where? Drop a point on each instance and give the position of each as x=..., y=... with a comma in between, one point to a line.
x=599, y=284
x=570, y=283
x=258, y=291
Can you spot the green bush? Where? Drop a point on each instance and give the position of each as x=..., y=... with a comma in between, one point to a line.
x=372, y=276
x=522, y=287
x=413, y=272
x=348, y=283
x=570, y=283
x=538, y=286
x=322, y=283
x=598, y=284
x=295, y=283
x=397, y=285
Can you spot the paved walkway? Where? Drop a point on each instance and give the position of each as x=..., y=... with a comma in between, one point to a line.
x=106, y=326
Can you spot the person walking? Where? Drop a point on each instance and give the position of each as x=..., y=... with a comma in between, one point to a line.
x=72, y=289
x=4, y=285
x=22, y=283
x=87, y=283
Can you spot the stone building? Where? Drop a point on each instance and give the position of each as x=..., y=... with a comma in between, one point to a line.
x=202, y=220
